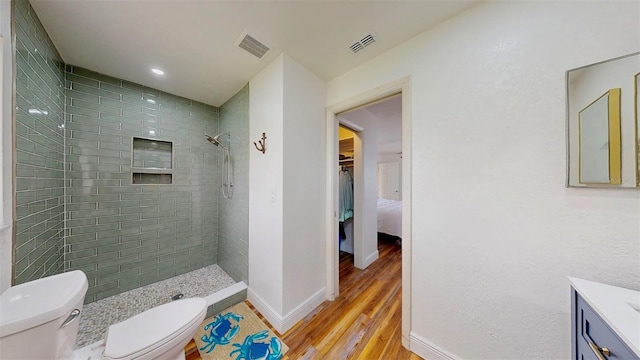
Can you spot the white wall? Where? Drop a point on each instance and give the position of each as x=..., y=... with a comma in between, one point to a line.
x=286, y=197
x=304, y=161
x=495, y=232
x=365, y=220
x=266, y=94
x=6, y=202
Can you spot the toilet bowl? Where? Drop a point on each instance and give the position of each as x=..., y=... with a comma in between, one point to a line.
x=39, y=320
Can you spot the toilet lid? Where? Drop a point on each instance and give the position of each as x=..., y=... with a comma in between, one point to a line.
x=152, y=328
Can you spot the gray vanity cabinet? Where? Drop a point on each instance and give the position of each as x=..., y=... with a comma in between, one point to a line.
x=591, y=337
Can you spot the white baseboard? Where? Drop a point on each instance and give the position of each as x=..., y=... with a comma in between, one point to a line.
x=284, y=323
x=428, y=350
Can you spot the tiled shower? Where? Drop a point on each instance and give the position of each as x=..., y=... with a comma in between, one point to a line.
x=39, y=142
x=233, y=214
x=117, y=179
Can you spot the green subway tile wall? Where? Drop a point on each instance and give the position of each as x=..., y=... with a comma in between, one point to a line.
x=125, y=235
x=77, y=207
x=233, y=243
x=39, y=153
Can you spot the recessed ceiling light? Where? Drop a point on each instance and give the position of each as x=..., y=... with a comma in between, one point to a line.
x=152, y=132
x=157, y=71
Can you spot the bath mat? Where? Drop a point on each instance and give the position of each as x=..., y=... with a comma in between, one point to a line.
x=237, y=333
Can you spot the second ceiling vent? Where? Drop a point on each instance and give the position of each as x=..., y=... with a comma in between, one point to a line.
x=362, y=43
x=252, y=46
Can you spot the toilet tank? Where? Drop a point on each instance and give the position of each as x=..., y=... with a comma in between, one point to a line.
x=39, y=319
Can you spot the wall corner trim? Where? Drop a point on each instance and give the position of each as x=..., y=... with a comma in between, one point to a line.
x=302, y=310
x=370, y=259
x=284, y=323
x=267, y=311
x=428, y=350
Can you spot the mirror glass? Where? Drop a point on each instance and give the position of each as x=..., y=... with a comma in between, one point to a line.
x=602, y=107
x=594, y=142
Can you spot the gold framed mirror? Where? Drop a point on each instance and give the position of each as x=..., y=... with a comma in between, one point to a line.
x=602, y=124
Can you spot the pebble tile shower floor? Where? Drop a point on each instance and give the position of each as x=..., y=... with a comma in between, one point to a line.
x=97, y=316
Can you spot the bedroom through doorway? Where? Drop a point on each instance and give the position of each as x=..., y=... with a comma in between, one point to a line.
x=369, y=184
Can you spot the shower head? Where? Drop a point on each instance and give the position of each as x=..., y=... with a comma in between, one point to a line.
x=212, y=140
x=216, y=139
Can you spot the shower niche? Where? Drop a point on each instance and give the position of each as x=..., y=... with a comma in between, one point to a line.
x=151, y=161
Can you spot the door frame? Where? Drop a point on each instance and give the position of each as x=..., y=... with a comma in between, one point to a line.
x=402, y=86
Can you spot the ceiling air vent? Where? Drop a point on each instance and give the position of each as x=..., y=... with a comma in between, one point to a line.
x=362, y=43
x=253, y=46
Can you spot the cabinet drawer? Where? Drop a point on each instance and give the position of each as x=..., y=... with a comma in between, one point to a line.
x=591, y=328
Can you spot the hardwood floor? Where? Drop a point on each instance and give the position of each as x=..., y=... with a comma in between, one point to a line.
x=364, y=322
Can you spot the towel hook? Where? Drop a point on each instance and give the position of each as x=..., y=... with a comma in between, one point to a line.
x=263, y=144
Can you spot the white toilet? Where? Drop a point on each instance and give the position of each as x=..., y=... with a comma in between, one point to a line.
x=39, y=320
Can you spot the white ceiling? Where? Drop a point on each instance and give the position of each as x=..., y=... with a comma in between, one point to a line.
x=193, y=41
x=386, y=117
x=389, y=124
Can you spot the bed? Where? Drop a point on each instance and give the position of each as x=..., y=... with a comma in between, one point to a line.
x=390, y=217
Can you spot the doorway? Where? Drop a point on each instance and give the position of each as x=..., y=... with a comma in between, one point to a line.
x=376, y=95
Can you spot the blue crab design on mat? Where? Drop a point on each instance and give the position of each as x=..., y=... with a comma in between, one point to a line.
x=252, y=349
x=221, y=331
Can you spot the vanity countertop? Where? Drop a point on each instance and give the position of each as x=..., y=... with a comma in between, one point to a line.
x=618, y=307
